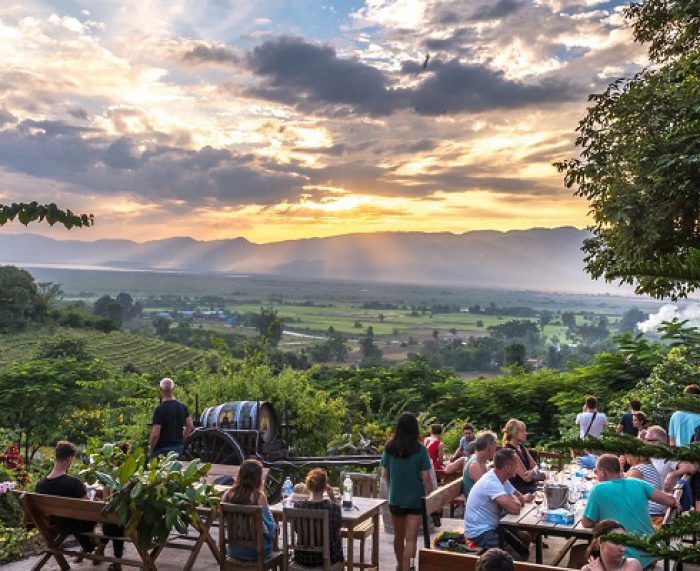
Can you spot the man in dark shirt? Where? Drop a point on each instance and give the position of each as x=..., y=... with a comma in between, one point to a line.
x=626, y=425
x=171, y=423
x=59, y=483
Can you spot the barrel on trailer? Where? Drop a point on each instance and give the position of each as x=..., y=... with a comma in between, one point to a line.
x=246, y=415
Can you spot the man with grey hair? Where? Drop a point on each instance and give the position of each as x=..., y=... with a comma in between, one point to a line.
x=669, y=470
x=171, y=423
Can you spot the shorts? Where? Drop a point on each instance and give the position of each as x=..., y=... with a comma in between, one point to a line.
x=398, y=511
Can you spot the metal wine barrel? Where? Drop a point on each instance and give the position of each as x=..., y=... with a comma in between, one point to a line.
x=243, y=415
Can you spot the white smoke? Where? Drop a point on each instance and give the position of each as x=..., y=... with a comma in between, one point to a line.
x=667, y=313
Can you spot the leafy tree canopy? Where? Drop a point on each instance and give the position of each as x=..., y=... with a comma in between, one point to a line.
x=639, y=166
x=20, y=300
x=26, y=212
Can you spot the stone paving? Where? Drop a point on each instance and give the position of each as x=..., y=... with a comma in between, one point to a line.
x=173, y=560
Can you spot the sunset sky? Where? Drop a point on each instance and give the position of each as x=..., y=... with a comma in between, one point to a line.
x=281, y=119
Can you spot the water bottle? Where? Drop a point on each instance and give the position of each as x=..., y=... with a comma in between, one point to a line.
x=543, y=469
x=287, y=489
x=347, y=493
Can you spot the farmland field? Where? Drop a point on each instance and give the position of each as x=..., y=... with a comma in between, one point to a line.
x=117, y=348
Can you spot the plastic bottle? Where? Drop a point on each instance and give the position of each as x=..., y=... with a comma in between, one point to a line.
x=347, y=493
x=287, y=489
x=543, y=470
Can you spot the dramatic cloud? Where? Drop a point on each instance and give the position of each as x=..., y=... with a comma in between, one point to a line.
x=210, y=54
x=498, y=10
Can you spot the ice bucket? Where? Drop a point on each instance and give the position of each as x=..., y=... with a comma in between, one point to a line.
x=556, y=496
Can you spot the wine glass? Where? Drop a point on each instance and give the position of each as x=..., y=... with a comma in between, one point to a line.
x=539, y=500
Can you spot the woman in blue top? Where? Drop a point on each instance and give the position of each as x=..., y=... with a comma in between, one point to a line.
x=406, y=470
x=247, y=490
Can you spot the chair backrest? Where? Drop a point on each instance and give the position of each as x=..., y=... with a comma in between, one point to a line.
x=308, y=531
x=435, y=560
x=222, y=471
x=671, y=512
x=363, y=485
x=554, y=458
x=242, y=526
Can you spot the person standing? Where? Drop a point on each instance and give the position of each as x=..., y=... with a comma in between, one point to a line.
x=590, y=421
x=626, y=425
x=682, y=425
x=406, y=471
x=171, y=423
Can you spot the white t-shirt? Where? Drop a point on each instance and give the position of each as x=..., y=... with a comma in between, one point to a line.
x=482, y=513
x=584, y=419
x=664, y=467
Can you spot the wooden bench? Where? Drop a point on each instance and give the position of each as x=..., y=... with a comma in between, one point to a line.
x=42, y=508
x=221, y=471
x=436, y=560
x=436, y=501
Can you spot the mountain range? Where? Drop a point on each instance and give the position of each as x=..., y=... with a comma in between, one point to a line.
x=546, y=259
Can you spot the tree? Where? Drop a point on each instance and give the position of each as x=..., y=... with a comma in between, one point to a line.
x=631, y=318
x=639, y=153
x=568, y=318
x=20, y=300
x=515, y=354
x=269, y=325
x=109, y=308
x=161, y=326
x=381, y=317
x=545, y=317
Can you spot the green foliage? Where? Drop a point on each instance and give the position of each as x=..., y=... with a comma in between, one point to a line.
x=624, y=444
x=20, y=302
x=151, y=498
x=34, y=212
x=268, y=325
x=11, y=540
x=109, y=308
x=315, y=415
x=671, y=27
x=61, y=348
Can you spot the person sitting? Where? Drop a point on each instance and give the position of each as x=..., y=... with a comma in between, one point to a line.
x=474, y=467
x=591, y=422
x=59, y=483
x=433, y=444
x=247, y=491
x=669, y=470
x=626, y=425
x=514, y=436
x=604, y=555
x=682, y=424
x=495, y=560
x=640, y=423
x=624, y=500
x=643, y=469
x=317, y=484
x=466, y=442
x=491, y=494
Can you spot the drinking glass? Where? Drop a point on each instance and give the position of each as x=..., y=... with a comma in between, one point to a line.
x=539, y=500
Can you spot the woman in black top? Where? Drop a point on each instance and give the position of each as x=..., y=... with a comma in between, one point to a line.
x=514, y=435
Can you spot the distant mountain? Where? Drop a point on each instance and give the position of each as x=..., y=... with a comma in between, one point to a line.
x=542, y=259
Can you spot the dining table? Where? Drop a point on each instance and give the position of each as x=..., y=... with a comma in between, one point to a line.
x=362, y=510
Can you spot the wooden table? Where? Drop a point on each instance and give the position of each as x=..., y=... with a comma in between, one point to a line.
x=528, y=520
x=366, y=508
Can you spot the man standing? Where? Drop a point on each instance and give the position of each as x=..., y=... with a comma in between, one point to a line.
x=625, y=500
x=59, y=483
x=491, y=495
x=626, y=425
x=590, y=421
x=466, y=443
x=171, y=423
x=682, y=425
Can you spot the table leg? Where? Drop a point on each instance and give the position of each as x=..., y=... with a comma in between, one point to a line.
x=351, y=546
x=538, y=549
x=375, y=540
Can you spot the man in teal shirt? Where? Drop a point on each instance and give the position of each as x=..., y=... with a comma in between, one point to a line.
x=682, y=425
x=625, y=500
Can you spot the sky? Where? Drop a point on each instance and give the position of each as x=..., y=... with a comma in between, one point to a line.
x=286, y=119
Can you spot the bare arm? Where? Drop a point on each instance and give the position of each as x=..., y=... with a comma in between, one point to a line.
x=509, y=503
x=634, y=473
x=189, y=427
x=521, y=471
x=664, y=499
x=683, y=469
x=619, y=428
x=427, y=484
x=585, y=522
x=476, y=470
x=153, y=438
x=385, y=477
x=455, y=466
x=457, y=454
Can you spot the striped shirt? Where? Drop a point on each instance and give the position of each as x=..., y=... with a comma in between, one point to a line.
x=652, y=476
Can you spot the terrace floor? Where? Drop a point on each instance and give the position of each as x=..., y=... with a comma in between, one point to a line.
x=173, y=560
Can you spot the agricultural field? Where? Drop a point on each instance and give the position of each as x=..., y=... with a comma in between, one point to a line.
x=117, y=348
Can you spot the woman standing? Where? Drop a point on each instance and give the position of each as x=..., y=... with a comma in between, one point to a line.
x=606, y=555
x=247, y=490
x=406, y=470
x=514, y=436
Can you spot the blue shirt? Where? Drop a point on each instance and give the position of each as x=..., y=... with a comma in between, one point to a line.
x=626, y=500
x=482, y=513
x=249, y=553
x=682, y=425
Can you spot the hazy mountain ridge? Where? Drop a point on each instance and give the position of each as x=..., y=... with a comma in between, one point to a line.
x=538, y=258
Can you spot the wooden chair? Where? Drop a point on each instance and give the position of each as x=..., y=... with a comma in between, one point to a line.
x=243, y=526
x=363, y=486
x=553, y=458
x=307, y=530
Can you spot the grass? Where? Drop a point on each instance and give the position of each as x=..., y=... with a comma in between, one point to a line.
x=118, y=348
